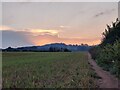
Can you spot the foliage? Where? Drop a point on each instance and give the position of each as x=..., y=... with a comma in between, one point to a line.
x=111, y=34
x=107, y=54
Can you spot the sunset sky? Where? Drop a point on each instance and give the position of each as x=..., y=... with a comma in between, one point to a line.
x=39, y=23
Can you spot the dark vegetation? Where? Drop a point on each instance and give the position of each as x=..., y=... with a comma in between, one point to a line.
x=107, y=53
x=54, y=47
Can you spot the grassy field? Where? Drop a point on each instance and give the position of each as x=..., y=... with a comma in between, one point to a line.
x=46, y=69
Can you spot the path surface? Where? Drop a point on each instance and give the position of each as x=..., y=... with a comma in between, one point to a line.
x=107, y=80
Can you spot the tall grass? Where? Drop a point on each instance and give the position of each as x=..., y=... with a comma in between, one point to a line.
x=47, y=70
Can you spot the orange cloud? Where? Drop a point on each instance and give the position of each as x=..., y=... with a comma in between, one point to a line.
x=43, y=36
x=45, y=39
x=43, y=31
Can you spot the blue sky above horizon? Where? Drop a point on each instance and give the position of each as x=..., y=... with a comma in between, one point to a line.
x=31, y=23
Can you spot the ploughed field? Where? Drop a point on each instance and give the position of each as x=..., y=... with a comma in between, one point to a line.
x=47, y=70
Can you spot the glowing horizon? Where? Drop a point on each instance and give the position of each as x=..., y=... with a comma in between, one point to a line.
x=50, y=36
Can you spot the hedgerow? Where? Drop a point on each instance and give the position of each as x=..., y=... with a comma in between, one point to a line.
x=107, y=54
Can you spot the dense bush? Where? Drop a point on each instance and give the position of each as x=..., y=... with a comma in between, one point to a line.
x=107, y=54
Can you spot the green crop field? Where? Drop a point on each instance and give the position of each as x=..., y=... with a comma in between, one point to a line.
x=47, y=69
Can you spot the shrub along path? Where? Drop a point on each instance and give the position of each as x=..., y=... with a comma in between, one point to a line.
x=107, y=80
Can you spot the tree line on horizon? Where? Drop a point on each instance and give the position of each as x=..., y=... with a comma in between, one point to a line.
x=54, y=47
x=51, y=49
x=107, y=53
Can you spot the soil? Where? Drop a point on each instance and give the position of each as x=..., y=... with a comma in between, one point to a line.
x=107, y=80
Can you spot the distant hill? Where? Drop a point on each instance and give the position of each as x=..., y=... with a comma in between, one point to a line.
x=54, y=47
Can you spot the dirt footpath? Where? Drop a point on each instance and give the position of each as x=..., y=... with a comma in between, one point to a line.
x=107, y=80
